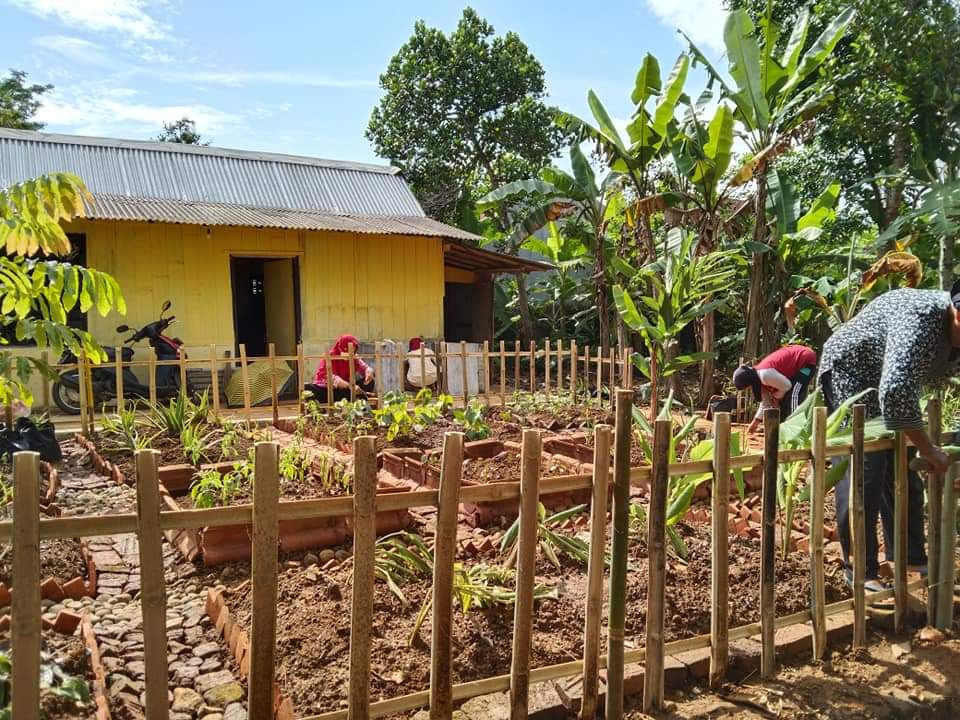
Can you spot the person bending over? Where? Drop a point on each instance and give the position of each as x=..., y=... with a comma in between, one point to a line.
x=779, y=380
x=342, y=376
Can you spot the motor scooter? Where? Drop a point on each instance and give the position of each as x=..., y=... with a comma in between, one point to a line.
x=66, y=390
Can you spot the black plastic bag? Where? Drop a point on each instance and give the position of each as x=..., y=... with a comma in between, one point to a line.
x=29, y=435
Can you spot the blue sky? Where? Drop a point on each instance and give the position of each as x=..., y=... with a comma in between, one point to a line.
x=301, y=77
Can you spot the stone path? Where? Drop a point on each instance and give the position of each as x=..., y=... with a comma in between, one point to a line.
x=204, y=682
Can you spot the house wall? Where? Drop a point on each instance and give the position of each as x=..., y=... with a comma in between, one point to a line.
x=372, y=286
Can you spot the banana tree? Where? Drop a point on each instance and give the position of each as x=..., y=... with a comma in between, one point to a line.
x=559, y=297
x=578, y=198
x=774, y=98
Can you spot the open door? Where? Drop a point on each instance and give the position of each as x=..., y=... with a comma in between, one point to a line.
x=280, y=299
x=266, y=304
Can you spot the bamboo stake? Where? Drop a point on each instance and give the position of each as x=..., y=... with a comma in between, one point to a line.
x=948, y=549
x=486, y=370
x=719, y=551
x=352, y=371
x=613, y=365
x=328, y=371
x=600, y=376
x=595, y=567
x=654, y=385
x=423, y=366
x=546, y=366
x=399, y=357
x=628, y=368
x=263, y=574
x=25, y=620
x=84, y=400
x=153, y=598
x=463, y=370
x=301, y=377
x=618, y=554
x=378, y=369
x=771, y=441
x=586, y=371
x=900, y=511
x=364, y=544
x=182, y=361
x=533, y=367
x=245, y=376
x=215, y=379
x=516, y=367
x=274, y=400
x=530, y=455
x=152, y=370
x=503, y=373
x=657, y=568
x=559, y=367
x=444, y=554
x=118, y=369
x=858, y=532
x=44, y=380
x=934, y=500
x=818, y=598
x=574, y=362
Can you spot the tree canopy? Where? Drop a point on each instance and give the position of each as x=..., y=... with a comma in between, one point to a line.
x=462, y=114
x=19, y=101
x=182, y=131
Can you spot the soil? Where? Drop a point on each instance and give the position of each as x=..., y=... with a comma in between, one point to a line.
x=70, y=654
x=505, y=467
x=313, y=653
x=555, y=416
x=60, y=558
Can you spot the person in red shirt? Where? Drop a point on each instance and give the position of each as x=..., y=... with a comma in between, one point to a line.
x=779, y=380
x=342, y=376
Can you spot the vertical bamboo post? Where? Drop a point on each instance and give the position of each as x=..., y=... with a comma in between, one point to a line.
x=934, y=505
x=328, y=371
x=533, y=367
x=274, y=399
x=858, y=531
x=559, y=367
x=719, y=551
x=595, y=566
x=400, y=358
x=423, y=366
x=463, y=371
x=364, y=542
x=352, y=371
x=91, y=396
x=118, y=369
x=546, y=366
x=657, y=567
x=84, y=398
x=378, y=370
x=503, y=373
x=948, y=549
x=245, y=377
x=25, y=620
x=586, y=371
x=818, y=597
x=654, y=385
x=771, y=443
x=616, y=614
x=263, y=579
x=182, y=361
x=516, y=366
x=215, y=379
x=613, y=367
x=153, y=598
x=600, y=376
x=44, y=380
x=301, y=377
x=444, y=556
x=530, y=456
x=574, y=362
x=152, y=380
x=900, y=532
x=486, y=370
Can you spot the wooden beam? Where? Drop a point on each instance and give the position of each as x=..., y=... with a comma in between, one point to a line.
x=364, y=546
x=25, y=613
x=934, y=504
x=771, y=440
x=719, y=551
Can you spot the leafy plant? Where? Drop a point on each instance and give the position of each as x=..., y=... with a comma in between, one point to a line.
x=211, y=488
x=396, y=415
x=54, y=680
x=550, y=538
x=399, y=558
x=354, y=416
x=197, y=444
x=331, y=473
x=178, y=412
x=472, y=420
x=121, y=431
x=294, y=463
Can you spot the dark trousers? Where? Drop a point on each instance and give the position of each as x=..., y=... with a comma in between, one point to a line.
x=320, y=391
x=798, y=392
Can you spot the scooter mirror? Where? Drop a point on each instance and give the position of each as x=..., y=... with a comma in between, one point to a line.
x=166, y=306
x=122, y=328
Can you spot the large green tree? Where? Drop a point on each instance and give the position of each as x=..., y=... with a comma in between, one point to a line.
x=19, y=101
x=183, y=131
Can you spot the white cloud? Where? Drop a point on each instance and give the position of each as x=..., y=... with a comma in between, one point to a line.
x=264, y=77
x=74, y=49
x=128, y=17
x=702, y=20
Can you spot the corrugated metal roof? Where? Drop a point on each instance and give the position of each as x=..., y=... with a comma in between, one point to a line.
x=188, y=173
x=112, y=207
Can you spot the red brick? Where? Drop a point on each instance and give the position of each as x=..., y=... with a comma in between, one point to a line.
x=674, y=672
x=697, y=663
x=214, y=604
x=755, y=516
x=5, y=596
x=66, y=622
x=741, y=527
x=285, y=710
x=793, y=640
x=840, y=628
x=75, y=589
x=46, y=624
x=50, y=589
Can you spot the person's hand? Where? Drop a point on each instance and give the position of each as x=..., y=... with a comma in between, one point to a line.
x=368, y=376
x=938, y=459
x=752, y=427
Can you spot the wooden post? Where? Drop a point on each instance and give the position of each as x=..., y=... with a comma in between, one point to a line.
x=263, y=578
x=215, y=380
x=153, y=598
x=118, y=369
x=463, y=370
x=91, y=396
x=182, y=360
x=378, y=369
x=771, y=443
x=616, y=614
x=719, y=551
x=364, y=542
x=274, y=399
x=858, y=532
x=559, y=367
x=586, y=371
x=818, y=597
x=423, y=367
x=900, y=532
x=25, y=613
x=84, y=399
x=328, y=371
x=530, y=455
x=948, y=549
x=546, y=366
x=657, y=567
x=600, y=376
x=574, y=362
x=245, y=377
x=486, y=370
x=301, y=378
x=352, y=371
x=533, y=367
x=934, y=504
x=152, y=370
x=503, y=373
x=595, y=566
x=654, y=385
x=516, y=366
x=44, y=380
x=444, y=555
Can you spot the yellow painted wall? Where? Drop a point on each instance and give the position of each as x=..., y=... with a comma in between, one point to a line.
x=372, y=286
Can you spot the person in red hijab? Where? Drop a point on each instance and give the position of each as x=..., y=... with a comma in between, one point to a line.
x=342, y=376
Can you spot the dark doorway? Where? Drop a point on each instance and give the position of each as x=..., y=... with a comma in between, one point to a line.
x=266, y=304
x=468, y=311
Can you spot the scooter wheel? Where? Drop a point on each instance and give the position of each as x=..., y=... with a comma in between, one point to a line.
x=66, y=398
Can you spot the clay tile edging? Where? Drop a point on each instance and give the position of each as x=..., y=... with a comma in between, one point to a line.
x=99, y=675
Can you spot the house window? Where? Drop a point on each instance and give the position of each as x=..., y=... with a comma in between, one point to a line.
x=75, y=318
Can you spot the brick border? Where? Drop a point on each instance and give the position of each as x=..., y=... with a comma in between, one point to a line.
x=52, y=588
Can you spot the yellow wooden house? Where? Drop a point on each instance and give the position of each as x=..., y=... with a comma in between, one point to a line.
x=258, y=248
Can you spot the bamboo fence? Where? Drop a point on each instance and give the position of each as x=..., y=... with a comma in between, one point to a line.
x=27, y=527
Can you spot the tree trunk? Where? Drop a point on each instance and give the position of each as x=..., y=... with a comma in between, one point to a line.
x=602, y=304
x=894, y=190
x=756, y=302
x=707, y=337
x=527, y=330
x=673, y=382
x=947, y=243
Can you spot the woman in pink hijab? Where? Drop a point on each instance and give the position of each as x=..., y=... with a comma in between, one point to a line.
x=342, y=376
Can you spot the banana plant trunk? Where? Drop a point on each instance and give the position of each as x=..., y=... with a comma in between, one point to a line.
x=947, y=246
x=527, y=332
x=707, y=342
x=756, y=302
x=600, y=277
